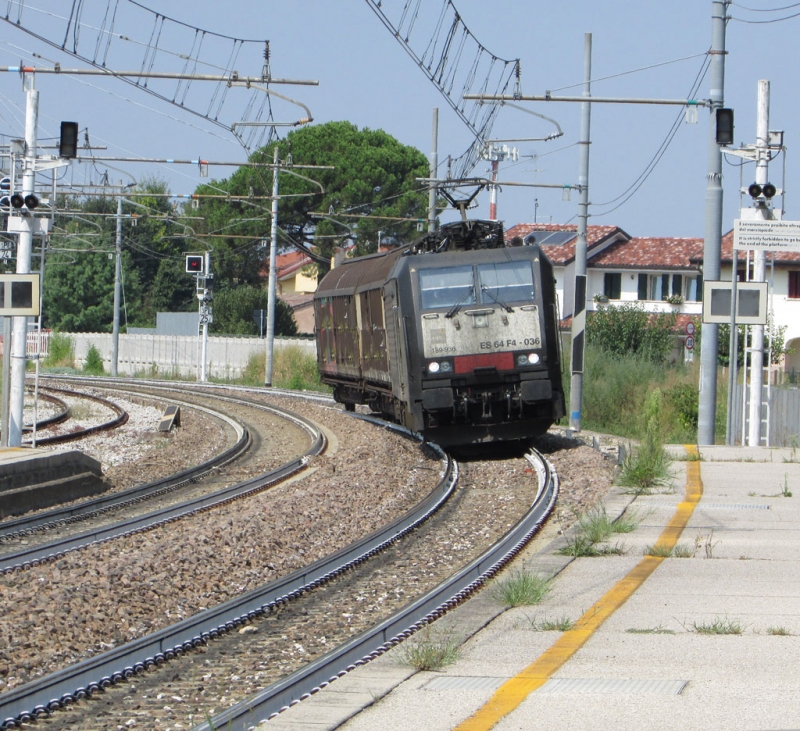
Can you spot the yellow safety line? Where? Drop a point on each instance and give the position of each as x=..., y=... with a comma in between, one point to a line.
x=511, y=694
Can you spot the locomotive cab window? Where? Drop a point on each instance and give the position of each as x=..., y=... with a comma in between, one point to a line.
x=510, y=281
x=446, y=287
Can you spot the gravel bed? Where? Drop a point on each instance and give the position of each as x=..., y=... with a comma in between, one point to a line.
x=60, y=613
x=109, y=594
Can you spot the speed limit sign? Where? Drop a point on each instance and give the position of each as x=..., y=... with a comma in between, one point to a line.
x=689, y=343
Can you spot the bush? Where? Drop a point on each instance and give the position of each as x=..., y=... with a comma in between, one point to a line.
x=93, y=365
x=629, y=330
x=61, y=352
x=292, y=368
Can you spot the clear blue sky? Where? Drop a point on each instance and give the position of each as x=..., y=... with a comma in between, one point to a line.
x=367, y=78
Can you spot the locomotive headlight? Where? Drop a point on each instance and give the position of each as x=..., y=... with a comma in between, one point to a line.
x=529, y=359
x=444, y=366
x=533, y=358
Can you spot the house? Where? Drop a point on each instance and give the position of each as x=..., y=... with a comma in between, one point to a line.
x=296, y=283
x=663, y=274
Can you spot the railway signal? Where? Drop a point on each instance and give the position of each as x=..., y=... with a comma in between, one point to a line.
x=194, y=264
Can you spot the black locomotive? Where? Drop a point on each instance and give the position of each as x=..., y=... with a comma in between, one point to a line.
x=454, y=336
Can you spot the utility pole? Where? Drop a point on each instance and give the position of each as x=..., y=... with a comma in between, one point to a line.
x=273, y=278
x=712, y=245
x=117, y=287
x=579, y=309
x=19, y=334
x=434, y=173
x=205, y=295
x=759, y=264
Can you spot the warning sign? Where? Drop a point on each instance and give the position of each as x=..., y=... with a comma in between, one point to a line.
x=771, y=235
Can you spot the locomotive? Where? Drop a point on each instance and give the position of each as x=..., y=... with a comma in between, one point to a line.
x=454, y=336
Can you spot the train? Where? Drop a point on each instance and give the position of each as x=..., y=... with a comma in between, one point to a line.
x=455, y=336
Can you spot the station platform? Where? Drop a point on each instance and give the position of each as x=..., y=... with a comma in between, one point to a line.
x=33, y=478
x=707, y=637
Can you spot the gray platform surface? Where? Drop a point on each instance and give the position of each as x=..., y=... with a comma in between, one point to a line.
x=647, y=666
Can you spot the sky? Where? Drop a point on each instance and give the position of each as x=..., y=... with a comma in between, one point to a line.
x=640, y=49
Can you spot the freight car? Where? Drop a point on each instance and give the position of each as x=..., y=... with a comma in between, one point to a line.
x=454, y=336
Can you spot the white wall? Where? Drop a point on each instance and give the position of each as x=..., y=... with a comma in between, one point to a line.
x=179, y=354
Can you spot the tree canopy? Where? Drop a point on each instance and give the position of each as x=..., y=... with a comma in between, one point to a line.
x=366, y=184
x=338, y=185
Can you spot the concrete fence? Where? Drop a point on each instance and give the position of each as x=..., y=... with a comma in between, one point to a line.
x=180, y=354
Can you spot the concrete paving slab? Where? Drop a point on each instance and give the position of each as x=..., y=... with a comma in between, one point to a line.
x=625, y=680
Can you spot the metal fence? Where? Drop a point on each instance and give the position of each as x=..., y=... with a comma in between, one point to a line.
x=783, y=411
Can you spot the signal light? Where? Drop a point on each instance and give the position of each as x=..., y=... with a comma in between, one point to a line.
x=768, y=190
x=68, y=142
x=30, y=201
x=194, y=264
x=724, y=133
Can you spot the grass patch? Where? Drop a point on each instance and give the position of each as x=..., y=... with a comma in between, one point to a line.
x=683, y=551
x=650, y=631
x=595, y=527
x=429, y=652
x=580, y=546
x=520, y=589
x=558, y=624
x=779, y=631
x=718, y=626
x=292, y=368
x=659, y=550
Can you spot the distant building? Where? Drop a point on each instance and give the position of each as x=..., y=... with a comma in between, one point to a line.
x=662, y=274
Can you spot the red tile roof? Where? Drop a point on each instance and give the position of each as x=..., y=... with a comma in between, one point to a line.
x=561, y=254
x=649, y=253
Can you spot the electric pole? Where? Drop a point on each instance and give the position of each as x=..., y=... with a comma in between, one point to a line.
x=579, y=309
x=19, y=335
x=759, y=264
x=712, y=244
x=273, y=278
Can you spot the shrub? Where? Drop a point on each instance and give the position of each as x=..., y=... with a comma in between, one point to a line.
x=292, y=368
x=629, y=330
x=647, y=465
x=93, y=365
x=61, y=352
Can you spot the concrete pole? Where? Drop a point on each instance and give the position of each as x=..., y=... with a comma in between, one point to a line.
x=579, y=308
x=712, y=245
x=24, y=252
x=273, y=278
x=434, y=168
x=117, y=287
x=204, y=309
x=493, y=192
x=759, y=266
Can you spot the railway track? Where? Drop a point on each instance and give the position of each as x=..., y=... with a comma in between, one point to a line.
x=171, y=496
x=238, y=625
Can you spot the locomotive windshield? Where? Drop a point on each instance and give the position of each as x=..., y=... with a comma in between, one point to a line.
x=508, y=281
x=447, y=287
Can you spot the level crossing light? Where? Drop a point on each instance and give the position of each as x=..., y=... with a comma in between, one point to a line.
x=768, y=190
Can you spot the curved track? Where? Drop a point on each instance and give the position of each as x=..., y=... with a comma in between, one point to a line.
x=62, y=688
x=74, y=513
x=391, y=632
